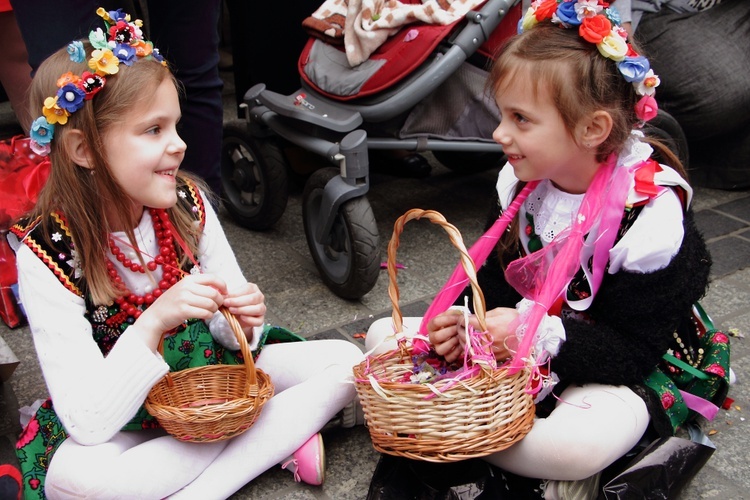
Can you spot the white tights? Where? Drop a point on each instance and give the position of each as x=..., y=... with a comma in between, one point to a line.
x=312, y=380
x=590, y=427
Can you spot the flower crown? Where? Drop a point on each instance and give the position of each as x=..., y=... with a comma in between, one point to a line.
x=598, y=23
x=122, y=43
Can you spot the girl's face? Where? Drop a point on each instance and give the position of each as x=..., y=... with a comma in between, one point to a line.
x=536, y=141
x=144, y=151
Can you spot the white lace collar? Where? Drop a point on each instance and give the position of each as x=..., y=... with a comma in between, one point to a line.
x=552, y=210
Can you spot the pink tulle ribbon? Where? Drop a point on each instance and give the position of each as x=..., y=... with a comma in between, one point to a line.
x=543, y=282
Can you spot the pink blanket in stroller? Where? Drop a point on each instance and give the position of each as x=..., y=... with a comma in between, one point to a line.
x=361, y=26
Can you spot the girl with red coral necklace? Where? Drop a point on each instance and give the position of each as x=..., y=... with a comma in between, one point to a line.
x=122, y=250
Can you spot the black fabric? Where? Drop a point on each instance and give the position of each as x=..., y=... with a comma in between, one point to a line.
x=398, y=478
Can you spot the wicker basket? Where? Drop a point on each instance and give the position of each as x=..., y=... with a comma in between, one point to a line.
x=214, y=402
x=484, y=414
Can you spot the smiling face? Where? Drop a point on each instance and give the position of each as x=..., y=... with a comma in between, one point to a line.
x=144, y=151
x=535, y=137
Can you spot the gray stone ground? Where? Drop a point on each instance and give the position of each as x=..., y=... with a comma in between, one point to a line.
x=279, y=261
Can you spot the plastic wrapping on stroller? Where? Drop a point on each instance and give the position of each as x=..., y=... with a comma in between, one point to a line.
x=417, y=92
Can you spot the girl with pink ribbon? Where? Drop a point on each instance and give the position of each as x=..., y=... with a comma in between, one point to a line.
x=592, y=262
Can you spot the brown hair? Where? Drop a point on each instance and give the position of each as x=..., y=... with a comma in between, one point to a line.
x=81, y=197
x=580, y=81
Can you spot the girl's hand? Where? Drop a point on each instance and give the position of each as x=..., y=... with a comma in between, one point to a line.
x=499, y=321
x=443, y=330
x=247, y=303
x=446, y=332
x=194, y=296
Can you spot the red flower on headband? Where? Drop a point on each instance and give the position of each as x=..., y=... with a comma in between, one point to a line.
x=545, y=10
x=122, y=32
x=91, y=83
x=594, y=29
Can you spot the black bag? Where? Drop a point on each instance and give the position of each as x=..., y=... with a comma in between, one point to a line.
x=398, y=478
x=661, y=470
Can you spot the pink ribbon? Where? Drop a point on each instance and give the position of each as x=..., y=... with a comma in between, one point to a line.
x=700, y=405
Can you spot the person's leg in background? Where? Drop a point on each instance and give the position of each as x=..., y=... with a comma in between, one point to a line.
x=47, y=25
x=703, y=65
x=187, y=34
x=15, y=72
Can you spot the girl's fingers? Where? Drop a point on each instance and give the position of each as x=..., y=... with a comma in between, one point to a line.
x=254, y=310
x=210, y=280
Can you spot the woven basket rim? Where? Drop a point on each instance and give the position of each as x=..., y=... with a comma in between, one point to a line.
x=227, y=415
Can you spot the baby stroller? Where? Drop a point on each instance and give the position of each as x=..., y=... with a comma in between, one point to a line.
x=421, y=90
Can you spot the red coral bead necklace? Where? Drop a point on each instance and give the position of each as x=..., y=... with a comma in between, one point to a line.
x=129, y=302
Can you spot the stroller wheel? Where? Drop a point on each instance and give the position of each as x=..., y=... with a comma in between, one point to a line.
x=254, y=178
x=347, y=258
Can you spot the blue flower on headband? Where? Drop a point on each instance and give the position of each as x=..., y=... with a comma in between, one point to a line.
x=41, y=131
x=76, y=52
x=70, y=98
x=117, y=15
x=634, y=69
x=566, y=12
x=613, y=15
x=125, y=53
x=157, y=55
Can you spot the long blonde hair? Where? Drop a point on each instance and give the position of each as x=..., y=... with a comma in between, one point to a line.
x=84, y=198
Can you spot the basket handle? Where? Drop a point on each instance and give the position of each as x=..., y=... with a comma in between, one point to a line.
x=456, y=239
x=251, y=381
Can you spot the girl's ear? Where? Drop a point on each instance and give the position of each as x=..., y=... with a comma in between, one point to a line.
x=595, y=129
x=78, y=148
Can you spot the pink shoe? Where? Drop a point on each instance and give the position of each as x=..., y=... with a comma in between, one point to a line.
x=308, y=463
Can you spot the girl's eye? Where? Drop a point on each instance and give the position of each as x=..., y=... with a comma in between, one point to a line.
x=520, y=118
x=154, y=130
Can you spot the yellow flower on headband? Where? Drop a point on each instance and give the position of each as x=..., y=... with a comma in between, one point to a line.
x=104, y=62
x=54, y=113
x=529, y=20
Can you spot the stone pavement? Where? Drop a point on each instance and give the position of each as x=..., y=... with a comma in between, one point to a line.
x=279, y=261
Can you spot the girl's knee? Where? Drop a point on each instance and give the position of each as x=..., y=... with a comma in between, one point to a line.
x=351, y=354
x=381, y=336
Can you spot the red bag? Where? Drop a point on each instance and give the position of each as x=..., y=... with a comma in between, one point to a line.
x=22, y=175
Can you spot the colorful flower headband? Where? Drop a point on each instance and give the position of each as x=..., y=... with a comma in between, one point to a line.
x=598, y=23
x=121, y=44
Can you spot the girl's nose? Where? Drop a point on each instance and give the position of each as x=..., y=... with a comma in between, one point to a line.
x=177, y=145
x=500, y=135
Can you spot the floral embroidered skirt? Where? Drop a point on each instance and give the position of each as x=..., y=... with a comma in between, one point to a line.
x=191, y=347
